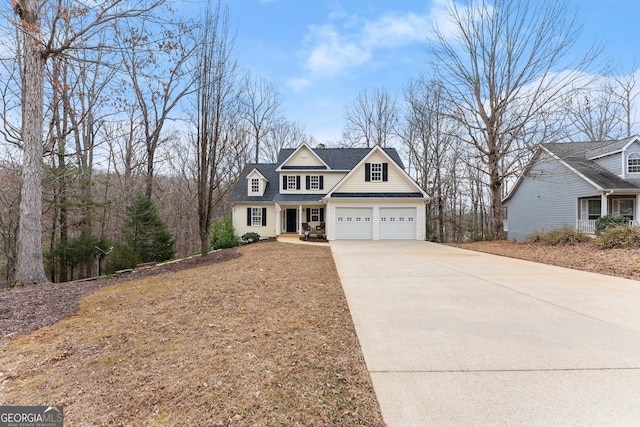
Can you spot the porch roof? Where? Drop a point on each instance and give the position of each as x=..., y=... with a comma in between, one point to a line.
x=298, y=198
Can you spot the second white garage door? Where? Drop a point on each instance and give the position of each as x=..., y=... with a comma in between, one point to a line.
x=354, y=223
x=397, y=223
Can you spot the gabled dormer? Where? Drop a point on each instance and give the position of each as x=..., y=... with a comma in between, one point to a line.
x=256, y=183
x=302, y=158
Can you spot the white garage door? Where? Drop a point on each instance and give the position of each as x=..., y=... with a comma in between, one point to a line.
x=397, y=223
x=354, y=223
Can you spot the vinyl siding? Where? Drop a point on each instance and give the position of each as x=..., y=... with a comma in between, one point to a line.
x=330, y=180
x=397, y=182
x=546, y=199
x=612, y=163
x=632, y=177
x=298, y=160
x=240, y=219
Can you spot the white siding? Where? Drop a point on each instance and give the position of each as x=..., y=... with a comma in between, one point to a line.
x=397, y=183
x=303, y=157
x=240, y=219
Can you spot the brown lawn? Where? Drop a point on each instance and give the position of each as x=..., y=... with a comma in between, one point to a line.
x=262, y=339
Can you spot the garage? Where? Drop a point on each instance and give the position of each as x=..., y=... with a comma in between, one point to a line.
x=398, y=223
x=354, y=223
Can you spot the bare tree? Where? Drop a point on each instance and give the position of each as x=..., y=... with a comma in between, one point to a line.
x=160, y=77
x=218, y=131
x=503, y=68
x=39, y=43
x=372, y=118
x=282, y=134
x=626, y=93
x=260, y=105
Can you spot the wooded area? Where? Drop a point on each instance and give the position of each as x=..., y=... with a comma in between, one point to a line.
x=122, y=111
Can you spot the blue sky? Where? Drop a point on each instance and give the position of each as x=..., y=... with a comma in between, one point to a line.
x=322, y=53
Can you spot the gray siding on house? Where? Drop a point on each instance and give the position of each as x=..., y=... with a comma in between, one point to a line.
x=546, y=198
x=612, y=163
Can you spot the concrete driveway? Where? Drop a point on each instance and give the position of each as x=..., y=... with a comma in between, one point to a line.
x=454, y=337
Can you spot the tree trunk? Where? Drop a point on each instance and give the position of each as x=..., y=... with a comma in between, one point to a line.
x=30, y=266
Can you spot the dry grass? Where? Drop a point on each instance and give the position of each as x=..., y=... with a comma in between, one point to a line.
x=584, y=256
x=265, y=339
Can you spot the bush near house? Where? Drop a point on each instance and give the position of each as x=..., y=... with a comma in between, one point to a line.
x=561, y=236
x=605, y=222
x=620, y=236
x=223, y=235
x=250, y=237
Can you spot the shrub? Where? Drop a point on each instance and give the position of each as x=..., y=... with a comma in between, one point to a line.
x=561, y=236
x=605, y=222
x=250, y=237
x=620, y=236
x=121, y=258
x=146, y=233
x=319, y=236
x=223, y=235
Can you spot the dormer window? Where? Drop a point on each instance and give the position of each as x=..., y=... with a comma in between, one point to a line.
x=376, y=172
x=255, y=185
x=633, y=163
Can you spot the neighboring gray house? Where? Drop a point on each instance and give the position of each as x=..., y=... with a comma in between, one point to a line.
x=574, y=184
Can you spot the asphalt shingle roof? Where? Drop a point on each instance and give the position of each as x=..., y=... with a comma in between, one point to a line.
x=577, y=155
x=342, y=159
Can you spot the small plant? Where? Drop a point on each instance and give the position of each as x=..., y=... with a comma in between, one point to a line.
x=605, y=222
x=620, y=236
x=223, y=235
x=250, y=237
x=319, y=236
x=560, y=236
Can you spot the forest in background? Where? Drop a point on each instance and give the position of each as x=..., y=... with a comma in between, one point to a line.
x=148, y=105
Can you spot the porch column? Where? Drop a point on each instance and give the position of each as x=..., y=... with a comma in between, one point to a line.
x=278, y=223
x=299, y=219
x=603, y=205
x=636, y=210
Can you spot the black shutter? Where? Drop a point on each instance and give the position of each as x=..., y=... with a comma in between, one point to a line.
x=367, y=172
x=308, y=214
x=321, y=182
x=321, y=214
x=308, y=182
x=249, y=217
x=264, y=217
x=297, y=182
x=385, y=171
x=284, y=182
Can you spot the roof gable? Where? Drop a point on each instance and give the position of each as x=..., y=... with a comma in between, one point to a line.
x=302, y=157
x=398, y=178
x=255, y=173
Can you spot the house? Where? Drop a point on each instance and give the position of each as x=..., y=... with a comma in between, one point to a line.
x=574, y=184
x=344, y=193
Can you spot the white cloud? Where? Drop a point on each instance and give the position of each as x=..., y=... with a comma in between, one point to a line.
x=298, y=85
x=350, y=41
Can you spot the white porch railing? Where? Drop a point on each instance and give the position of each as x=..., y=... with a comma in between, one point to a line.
x=588, y=226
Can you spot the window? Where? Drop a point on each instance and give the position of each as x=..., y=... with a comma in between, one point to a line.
x=594, y=209
x=291, y=182
x=315, y=215
x=256, y=217
x=376, y=171
x=255, y=185
x=633, y=163
x=626, y=208
x=314, y=182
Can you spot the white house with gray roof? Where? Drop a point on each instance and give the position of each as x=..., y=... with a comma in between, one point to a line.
x=574, y=184
x=344, y=193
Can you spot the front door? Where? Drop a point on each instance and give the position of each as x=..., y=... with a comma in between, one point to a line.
x=292, y=221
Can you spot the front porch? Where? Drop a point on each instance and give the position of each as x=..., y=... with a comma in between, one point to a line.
x=592, y=208
x=297, y=219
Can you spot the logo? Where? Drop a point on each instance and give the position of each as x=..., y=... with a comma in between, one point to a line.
x=31, y=416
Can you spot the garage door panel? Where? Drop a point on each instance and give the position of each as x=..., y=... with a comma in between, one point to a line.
x=397, y=223
x=354, y=223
